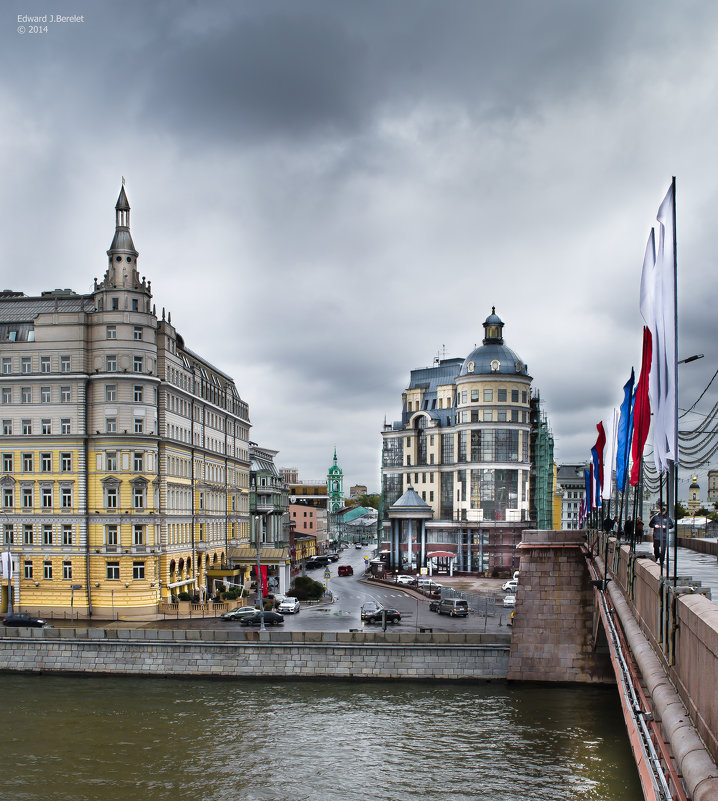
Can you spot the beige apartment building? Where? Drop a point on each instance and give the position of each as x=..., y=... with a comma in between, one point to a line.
x=124, y=456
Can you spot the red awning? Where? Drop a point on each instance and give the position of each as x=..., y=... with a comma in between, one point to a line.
x=441, y=554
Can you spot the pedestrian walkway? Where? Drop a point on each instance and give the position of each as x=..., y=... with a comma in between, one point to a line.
x=699, y=567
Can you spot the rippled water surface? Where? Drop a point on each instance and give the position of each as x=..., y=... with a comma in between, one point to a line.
x=112, y=739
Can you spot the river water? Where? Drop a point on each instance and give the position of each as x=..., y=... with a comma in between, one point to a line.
x=95, y=738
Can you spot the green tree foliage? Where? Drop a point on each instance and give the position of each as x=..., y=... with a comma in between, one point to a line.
x=371, y=500
x=306, y=589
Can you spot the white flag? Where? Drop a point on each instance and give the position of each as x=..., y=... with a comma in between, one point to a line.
x=658, y=312
x=5, y=565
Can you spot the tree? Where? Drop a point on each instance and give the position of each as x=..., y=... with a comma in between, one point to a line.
x=681, y=510
x=368, y=500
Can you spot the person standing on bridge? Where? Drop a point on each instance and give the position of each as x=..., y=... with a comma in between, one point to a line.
x=661, y=524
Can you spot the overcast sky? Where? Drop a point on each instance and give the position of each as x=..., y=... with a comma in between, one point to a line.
x=327, y=195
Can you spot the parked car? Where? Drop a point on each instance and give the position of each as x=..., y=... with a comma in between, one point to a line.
x=510, y=586
x=23, y=619
x=404, y=579
x=428, y=585
x=368, y=609
x=364, y=543
x=357, y=545
x=290, y=605
x=238, y=614
x=392, y=616
x=333, y=557
x=454, y=607
x=434, y=605
x=345, y=570
x=270, y=619
x=510, y=600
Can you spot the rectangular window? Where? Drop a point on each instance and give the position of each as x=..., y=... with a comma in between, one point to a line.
x=113, y=571
x=65, y=394
x=111, y=535
x=6, y=395
x=6, y=366
x=47, y=534
x=27, y=498
x=111, y=364
x=28, y=570
x=138, y=462
x=514, y=396
x=44, y=364
x=8, y=533
x=501, y=415
x=138, y=497
x=66, y=462
x=44, y=394
x=111, y=392
x=111, y=498
x=464, y=396
x=488, y=415
x=488, y=396
x=67, y=534
x=474, y=395
x=65, y=425
x=135, y=304
x=111, y=459
x=7, y=427
x=111, y=332
x=139, y=425
x=46, y=426
x=27, y=427
x=514, y=415
x=47, y=570
x=115, y=304
x=502, y=396
x=67, y=571
x=138, y=393
x=46, y=462
x=7, y=462
x=111, y=425
x=137, y=362
x=64, y=364
x=25, y=365
x=138, y=535
x=26, y=395
x=27, y=534
x=138, y=332
x=138, y=570
x=46, y=496
x=27, y=463
x=523, y=396
x=66, y=497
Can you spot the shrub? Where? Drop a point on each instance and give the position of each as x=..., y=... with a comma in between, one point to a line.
x=306, y=589
x=184, y=596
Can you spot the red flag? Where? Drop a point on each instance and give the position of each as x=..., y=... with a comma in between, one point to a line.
x=263, y=571
x=600, y=446
x=641, y=407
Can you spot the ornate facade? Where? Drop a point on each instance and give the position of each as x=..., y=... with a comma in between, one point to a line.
x=125, y=455
x=463, y=444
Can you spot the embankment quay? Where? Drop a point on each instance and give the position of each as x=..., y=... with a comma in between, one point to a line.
x=655, y=640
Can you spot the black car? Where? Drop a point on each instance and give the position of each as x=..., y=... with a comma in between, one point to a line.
x=23, y=619
x=434, y=605
x=392, y=616
x=270, y=619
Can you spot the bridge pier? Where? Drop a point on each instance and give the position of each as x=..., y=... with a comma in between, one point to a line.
x=554, y=635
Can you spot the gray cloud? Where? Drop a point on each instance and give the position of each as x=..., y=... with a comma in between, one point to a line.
x=326, y=195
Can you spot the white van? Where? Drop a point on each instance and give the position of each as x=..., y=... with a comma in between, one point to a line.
x=454, y=607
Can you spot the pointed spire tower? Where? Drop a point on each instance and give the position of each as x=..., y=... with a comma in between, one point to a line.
x=122, y=265
x=335, y=486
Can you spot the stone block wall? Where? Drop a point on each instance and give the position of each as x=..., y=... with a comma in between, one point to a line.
x=290, y=655
x=553, y=624
x=695, y=666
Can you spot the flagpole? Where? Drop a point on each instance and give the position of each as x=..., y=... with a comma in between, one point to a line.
x=675, y=416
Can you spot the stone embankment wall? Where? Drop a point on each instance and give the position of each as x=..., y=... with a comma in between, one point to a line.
x=553, y=626
x=222, y=654
x=693, y=646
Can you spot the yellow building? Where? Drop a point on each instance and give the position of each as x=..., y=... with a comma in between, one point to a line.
x=125, y=456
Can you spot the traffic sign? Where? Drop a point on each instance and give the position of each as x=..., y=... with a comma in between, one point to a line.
x=327, y=574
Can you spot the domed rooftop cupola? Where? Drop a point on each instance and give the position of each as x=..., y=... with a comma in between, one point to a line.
x=493, y=356
x=493, y=329
x=122, y=244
